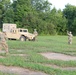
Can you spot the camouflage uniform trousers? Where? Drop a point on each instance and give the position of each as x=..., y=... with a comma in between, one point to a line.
x=36, y=36
x=3, y=45
x=69, y=40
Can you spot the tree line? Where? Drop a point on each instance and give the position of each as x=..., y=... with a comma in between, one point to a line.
x=38, y=14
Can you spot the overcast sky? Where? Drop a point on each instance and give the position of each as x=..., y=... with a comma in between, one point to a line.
x=60, y=4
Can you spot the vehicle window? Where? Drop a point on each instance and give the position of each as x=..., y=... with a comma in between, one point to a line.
x=20, y=30
x=24, y=30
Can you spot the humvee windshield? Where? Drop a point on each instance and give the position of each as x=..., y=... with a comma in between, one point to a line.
x=23, y=31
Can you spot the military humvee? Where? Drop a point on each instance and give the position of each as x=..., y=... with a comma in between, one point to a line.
x=17, y=33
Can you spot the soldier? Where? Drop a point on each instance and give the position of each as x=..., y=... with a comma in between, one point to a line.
x=70, y=36
x=3, y=43
x=35, y=33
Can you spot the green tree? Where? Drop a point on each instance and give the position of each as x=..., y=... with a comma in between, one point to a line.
x=4, y=5
x=57, y=23
x=1, y=13
x=70, y=14
x=41, y=5
x=61, y=23
x=9, y=16
x=22, y=8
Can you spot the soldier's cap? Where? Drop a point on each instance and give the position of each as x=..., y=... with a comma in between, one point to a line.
x=70, y=32
x=34, y=29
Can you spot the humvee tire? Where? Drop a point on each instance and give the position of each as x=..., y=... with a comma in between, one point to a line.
x=22, y=38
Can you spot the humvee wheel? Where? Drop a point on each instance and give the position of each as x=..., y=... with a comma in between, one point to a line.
x=33, y=39
x=22, y=38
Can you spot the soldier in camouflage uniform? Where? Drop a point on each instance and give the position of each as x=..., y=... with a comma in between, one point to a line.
x=70, y=36
x=3, y=44
x=35, y=33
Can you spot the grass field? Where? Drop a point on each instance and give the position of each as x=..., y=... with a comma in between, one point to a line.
x=33, y=60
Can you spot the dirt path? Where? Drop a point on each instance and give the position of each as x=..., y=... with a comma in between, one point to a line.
x=58, y=56
x=62, y=68
x=19, y=71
